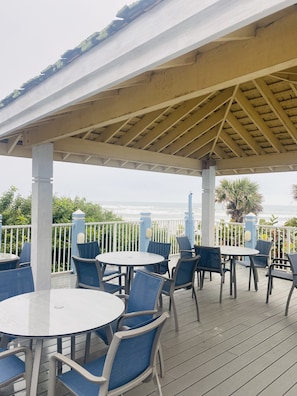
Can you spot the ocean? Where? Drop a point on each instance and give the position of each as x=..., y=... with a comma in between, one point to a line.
x=174, y=210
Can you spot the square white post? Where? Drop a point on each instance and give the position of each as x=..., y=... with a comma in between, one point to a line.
x=208, y=203
x=42, y=196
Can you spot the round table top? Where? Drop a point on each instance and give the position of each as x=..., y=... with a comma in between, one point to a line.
x=7, y=256
x=58, y=312
x=238, y=251
x=130, y=258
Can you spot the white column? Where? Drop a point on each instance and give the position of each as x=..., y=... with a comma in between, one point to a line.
x=42, y=196
x=208, y=203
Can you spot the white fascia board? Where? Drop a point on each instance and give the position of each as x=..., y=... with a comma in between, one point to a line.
x=170, y=29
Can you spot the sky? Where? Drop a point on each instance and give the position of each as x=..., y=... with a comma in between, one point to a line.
x=33, y=35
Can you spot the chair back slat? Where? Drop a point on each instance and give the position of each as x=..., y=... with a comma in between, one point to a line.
x=210, y=258
x=25, y=256
x=293, y=263
x=88, y=250
x=133, y=352
x=264, y=248
x=185, y=247
x=163, y=249
x=184, y=243
x=185, y=269
x=16, y=281
x=86, y=272
x=144, y=296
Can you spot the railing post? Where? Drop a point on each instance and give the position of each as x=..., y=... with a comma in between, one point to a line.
x=189, y=223
x=78, y=233
x=250, y=234
x=0, y=231
x=145, y=231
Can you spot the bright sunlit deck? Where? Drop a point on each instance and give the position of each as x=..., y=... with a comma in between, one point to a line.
x=241, y=347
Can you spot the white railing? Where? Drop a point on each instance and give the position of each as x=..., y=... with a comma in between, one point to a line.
x=229, y=234
x=14, y=237
x=61, y=251
x=114, y=235
x=284, y=239
x=124, y=235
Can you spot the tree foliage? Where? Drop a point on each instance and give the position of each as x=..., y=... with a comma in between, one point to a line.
x=16, y=210
x=240, y=196
x=273, y=220
x=291, y=222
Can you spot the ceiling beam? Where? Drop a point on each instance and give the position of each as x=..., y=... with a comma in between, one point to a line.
x=258, y=121
x=255, y=162
x=190, y=142
x=226, y=65
x=110, y=151
x=244, y=134
x=201, y=114
x=277, y=108
x=144, y=124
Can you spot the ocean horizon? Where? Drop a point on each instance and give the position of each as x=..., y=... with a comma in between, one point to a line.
x=174, y=210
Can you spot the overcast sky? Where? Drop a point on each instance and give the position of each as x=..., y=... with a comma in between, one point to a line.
x=33, y=35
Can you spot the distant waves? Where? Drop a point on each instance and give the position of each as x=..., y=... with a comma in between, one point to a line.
x=162, y=210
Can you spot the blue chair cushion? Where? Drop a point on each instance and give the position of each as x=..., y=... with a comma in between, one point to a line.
x=10, y=367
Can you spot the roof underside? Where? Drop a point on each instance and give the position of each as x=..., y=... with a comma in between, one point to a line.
x=232, y=101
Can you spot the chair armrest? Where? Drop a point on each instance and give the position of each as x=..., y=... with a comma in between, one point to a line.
x=279, y=262
x=111, y=277
x=124, y=296
x=281, y=267
x=13, y=351
x=75, y=366
x=133, y=315
x=25, y=264
x=28, y=358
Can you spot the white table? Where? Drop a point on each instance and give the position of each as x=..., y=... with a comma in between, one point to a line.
x=238, y=251
x=129, y=260
x=7, y=256
x=56, y=313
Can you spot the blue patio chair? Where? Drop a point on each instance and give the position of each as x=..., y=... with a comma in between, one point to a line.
x=163, y=249
x=182, y=278
x=129, y=361
x=293, y=263
x=261, y=260
x=90, y=250
x=25, y=256
x=13, y=367
x=279, y=269
x=12, y=283
x=90, y=276
x=16, y=281
x=185, y=248
x=210, y=261
x=141, y=306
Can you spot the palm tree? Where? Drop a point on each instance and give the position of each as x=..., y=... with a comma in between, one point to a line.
x=240, y=196
x=294, y=191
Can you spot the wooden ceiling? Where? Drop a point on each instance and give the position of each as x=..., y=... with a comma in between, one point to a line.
x=232, y=101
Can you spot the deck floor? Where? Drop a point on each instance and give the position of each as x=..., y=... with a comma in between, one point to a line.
x=240, y=347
